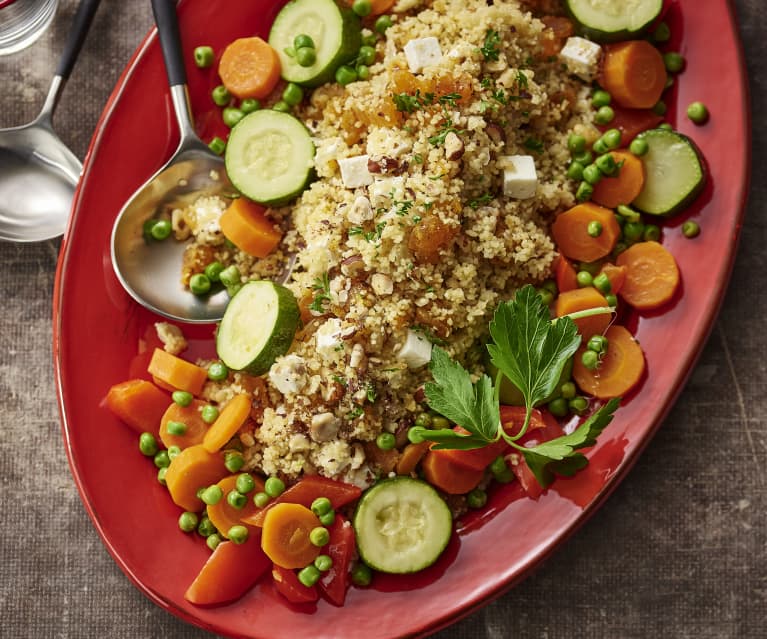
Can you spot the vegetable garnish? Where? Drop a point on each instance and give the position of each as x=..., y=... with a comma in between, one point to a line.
x=531, y=350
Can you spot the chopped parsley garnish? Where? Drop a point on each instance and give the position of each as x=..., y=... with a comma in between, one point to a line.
x=370, y=392
x=479, y=201
x=534, y=144
x=321, y=287
x=490, y=50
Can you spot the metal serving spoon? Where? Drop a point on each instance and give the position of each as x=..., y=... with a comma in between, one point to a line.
x=151, y=273
x=38, y=173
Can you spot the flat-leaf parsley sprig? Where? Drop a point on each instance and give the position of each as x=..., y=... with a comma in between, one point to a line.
x=531, y=350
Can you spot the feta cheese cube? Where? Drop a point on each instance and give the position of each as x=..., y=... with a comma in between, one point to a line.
x=581, y=57
x=288, y=374
x=416, y=351
x=519, y=177
x=422, y=52
x=329, y=338
x=354, y=171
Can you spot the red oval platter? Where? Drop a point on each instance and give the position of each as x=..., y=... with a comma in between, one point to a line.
x=97, y=327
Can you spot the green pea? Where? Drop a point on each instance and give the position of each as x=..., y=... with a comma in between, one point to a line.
x=477, y=498
x=231, y=116
x=221, y=95
x=199, y=284
x=651, y=233
x=319, y=536
x=662, y=33
x=690, y=229
x=612, y=138
x=233, y=461
x=606, y=164
x=594, y=228
x=261, y=500
x=213, y=271
x=147, y=444
x=323, y=563
x=303, y=40
x=382, y=24
x=611, y=299
x=639, y=147
x=321, y=505
x=505, y=477
x=217, y=145
x=248, y=105
x=604, y=115
x=175, y=428
x=386, y=441
x=212, y=495
x=367, y=55
x=629, y=214
x=674, y=61
x=362, y=7
x=602, y=283
x=244, y=483
x=161, y=472
x=633, y=231
x=218, y=371
x=161, y=459
x=697, y=112
x=546, y=297
x=188, y=521
x=592, y=174
x=204, y=57
x=567, y=390
x=209, y=413
x=575, y=171
x=293, y=94
x=328, y=518
x=584, y=279
x=309, y=576
x=551, y=286
x=206, y=527
x=423, y=420
x=213, y=541
x=660, y=108
x=498, y=465
x=597, y=344
x=274, y=487
x=590, y=267
x=173, y=452
x=237, y=534
x=599, y=147
x=600, y=98
x=161, y=230
x=579, y=404
x=369, y=39
x=306, y=56
x=281, y=106
x=363, y=71
x=361, y=574
x=584, y=158
x=666, y=126
x=558, y=407
x=590, y=359
x=584, y=192
x=345, y=75
x=230, y=276
x=438, y=422
x=576, y=143
x=236, y=499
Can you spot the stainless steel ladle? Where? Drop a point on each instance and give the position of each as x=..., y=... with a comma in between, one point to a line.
x=38, y=173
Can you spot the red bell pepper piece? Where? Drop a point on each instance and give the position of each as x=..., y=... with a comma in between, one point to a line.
x=567, y=279
x=631, y=122
x=230, y=572
x=549, y=429
x=335, y=582
x=287, y=584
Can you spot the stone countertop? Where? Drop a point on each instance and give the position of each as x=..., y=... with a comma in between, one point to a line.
x=679, y=550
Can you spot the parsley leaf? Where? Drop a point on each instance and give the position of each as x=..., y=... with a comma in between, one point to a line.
x=490, y=50
x=322, y=296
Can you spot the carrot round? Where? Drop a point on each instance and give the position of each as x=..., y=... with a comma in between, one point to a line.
x=565, y=274
x=619, y=371
x=172, y=373
x=191, y=417
x=441, y=471
x=139, y=403
x=570, y=231
x=222, y=514
x=616, y=275
x=249, y=68
x=652, y=275
x=633, y=73
x=193, y=468
x=582, y=299
x=285, y=535
x=411, y=455
x=625, y=185
x=244, y=224
x=229, y=421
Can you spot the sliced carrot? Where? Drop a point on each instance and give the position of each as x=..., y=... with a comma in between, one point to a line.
x=441, y=471
x=377, y=6
x=625, y=186
x=616, y=275
x=229, y=421
x=619, y=371
x=652, y=276
x=249, y=68
x=411, y=455
x=139, y=403
x=285, y=536
x=230, y=572
x=570, y=231
x=193, y=468
x=244, y=224
x=191, y=417
x=582, y=299
x=565, y=274
x=174, y=373
x=631, y=122
x=222, y=514
x=633, y=73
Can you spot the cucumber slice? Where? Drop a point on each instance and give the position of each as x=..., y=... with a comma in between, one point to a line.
x=258, y=326
x=335, y=30
x=613, y=20
x=402, y=525
x=675, y=173
x=270, y=157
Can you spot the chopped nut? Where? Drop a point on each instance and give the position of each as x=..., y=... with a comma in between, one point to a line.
x=382, y=284
x=358, y=358
x=453, y=146
x=361, y=211
x=324, y=427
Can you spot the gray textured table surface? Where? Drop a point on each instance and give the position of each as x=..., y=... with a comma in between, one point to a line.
x=680, y=550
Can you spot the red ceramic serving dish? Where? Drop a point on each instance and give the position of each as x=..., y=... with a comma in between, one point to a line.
x=97, y=327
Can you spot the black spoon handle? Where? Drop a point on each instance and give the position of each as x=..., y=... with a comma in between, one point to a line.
x=170, y=40
x=79, y=30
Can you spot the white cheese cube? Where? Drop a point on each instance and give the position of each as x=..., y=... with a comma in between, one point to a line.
x=329, y=338
x=416, y=351
x=581, y=57
x=354, y=171
x=519, y=177
x=288, y=374
x=382, y=190
x=422, y=52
